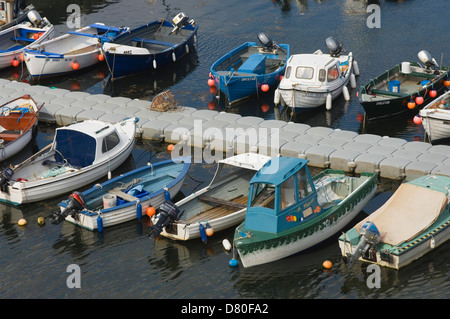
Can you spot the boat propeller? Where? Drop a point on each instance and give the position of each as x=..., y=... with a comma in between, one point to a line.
x=5, y=177
x=369, y=238
x=76, y=204
x=168, y=213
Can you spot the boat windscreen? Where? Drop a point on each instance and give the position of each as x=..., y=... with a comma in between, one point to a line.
x=75, y=147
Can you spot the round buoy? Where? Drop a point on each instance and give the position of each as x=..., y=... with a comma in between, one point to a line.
x=150, y=211
x=265, y=87
x=327, y=264
x=447, y=83
x=433, y=93
x=41, y=221
x=233, y=262
x=411, y=105
x=22, y=222
x=211, y=82
x=75, y=65
x=101, y=57
x=417, y=120
x=170, y=147
x=209, y=231
x=419, y=100
x=226, y=244
x=15, y=62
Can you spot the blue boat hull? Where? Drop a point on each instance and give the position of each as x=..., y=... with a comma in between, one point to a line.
x=236, y=85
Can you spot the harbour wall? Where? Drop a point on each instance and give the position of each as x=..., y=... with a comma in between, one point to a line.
x=221, y=132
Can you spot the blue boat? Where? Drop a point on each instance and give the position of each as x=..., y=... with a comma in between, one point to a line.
x=125, y=197
x=151, y=46
x=250, y=69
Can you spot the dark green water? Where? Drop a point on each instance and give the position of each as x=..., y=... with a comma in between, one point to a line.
x=123, y=262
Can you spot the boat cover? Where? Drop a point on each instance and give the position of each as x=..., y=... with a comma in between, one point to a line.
x=409, y=211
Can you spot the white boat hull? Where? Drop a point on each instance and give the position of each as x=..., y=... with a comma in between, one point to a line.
x=16, y=146
x=436, y=121
x=282, y=251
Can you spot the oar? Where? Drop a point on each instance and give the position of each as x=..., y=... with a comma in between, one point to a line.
x=377, y=202
x=18, y=166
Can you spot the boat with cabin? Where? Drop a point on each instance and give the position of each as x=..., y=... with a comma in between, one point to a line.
x=288, y=211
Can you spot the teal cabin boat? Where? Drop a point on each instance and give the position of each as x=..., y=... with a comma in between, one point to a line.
x=414, y=221
x=289, y=211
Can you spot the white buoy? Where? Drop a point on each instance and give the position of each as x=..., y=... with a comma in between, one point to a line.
x=352, y=81
x=276, y=98
x=346, y=94
x=187, y=48
x=355, y=67
x=226, y=244
x=154, y=64
x=432, y=243
x=328, y=103
x=109, y=175
x=174, y=58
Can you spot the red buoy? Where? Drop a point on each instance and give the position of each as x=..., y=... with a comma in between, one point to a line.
x=211, y=82
x=417, y=120
x=75, y=65
x=419, y=100
x=101, y=57
x=433, y=93
x=265, y=87
x=15, y=62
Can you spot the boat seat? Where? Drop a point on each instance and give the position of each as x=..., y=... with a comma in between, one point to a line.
x=119, y=193
x=383, y=92
x=254, y=64
x=22, y=39
x=151, y=41
x=13, y=48
x=221, y=201
x=9, y=136
x=422, y=75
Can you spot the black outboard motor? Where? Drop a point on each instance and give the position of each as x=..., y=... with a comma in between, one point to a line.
x=76, y=204
x=168, y=213
x=5, y=177
x=333, y=46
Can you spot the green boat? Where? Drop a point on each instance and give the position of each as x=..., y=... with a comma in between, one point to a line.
x=412, y=222
x=289, y=211
x=407, y=87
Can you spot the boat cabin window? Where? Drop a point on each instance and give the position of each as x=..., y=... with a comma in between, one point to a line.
x=304, y=186
x=110, y=141
x=287, y=192
x=288, y=72
x=322, y=75
x=304, y=72
x=263, y=195
x=333, y=73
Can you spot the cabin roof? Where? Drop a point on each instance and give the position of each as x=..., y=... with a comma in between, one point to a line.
x=312, y=60
x=278, y=169
x=93, y=128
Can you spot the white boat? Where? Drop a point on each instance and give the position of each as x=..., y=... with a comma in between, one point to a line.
x=436, y=118
x=70, y=52
x=413, y=221
x=125, y=197
x=312, y=80
x=18, y=118
x=220, y=205
x=79, y=154
x=15, y=39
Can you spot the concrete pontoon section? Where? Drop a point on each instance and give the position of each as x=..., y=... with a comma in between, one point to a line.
x=390, y=157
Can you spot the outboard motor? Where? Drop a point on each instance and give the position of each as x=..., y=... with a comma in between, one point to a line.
x=333, y=46
x=76, y=204
x=427, y=60
x=168, y=214
x=370, y=237
x=35, y=18
x=180, y=20
x=5, y=177
x=267, y=43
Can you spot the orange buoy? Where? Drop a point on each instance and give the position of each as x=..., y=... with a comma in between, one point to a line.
x=411, y=105
x=75, y=65
x=419, y=100
x=101, y=57
x=433, y=93
x=417, y=120
x=327, y=264
x=21, y=57
x=150, y=211
x=447, y=83
x=265, y=87
x=211, y=82
x=170, y=147
x=15, y=62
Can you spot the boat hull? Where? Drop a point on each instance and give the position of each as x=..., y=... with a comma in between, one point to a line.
x=259, y=248
x=435, y=120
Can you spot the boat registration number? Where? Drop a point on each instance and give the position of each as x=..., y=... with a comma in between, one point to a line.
x=127, y=52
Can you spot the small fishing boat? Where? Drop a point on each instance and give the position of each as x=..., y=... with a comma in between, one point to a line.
x=18, y=118
x=125, y=197
x=289, y=212
x=315, y=79
x=70, y=52
x=15, y=39
x=406, y=86
x=435, y=118
x=79, y=154
x=249, y=69
x=12, y=14
x=218, y=206
x=414, y=221
x=151, y=46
